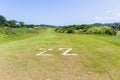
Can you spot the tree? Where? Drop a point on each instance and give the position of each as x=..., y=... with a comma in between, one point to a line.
x=70, y=31
x=2, y=19
x=22, y=24
x=6, y=24
x=30, y=26
x=12, y=23
x=97, y=24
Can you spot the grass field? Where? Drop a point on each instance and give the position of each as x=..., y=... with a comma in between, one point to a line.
x=98, y=58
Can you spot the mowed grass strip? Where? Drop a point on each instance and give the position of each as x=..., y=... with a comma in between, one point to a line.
x=97, y=59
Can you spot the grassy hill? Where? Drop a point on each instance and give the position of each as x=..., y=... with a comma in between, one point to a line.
x=98, y=57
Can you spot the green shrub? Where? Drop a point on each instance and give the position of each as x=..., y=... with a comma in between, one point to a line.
x=118, y=34
x=108, y=31
x=102, y=30
x=70, y=31
x=31, y=30
x=10, y=31
x=94, y=30
x=80, y=31
x=60, y=30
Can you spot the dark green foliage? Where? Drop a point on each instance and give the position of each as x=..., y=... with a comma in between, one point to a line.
x=60, y=30
x=87, y=29
x=12, y=23
x=2, y=19
x=70, y=31
x=115, y=25
x=19, y=24
x=15, y=28
x=102, y=30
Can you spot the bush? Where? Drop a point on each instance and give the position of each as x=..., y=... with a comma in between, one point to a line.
x=60, y=30
x=10, y=31
x=31, y=30
x=80, y=31
x=118, y=34
x=102, y=30
x=108, y=31
x=94, y=30
x=70, y=31
x=18, y=31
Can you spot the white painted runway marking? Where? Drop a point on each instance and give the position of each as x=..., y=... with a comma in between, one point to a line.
x=66, y=52
x=44, y=51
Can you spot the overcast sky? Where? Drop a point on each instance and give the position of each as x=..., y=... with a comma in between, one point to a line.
x=61, y=12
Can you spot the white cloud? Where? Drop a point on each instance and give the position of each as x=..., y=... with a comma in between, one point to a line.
x=109, y=11
x=111, y=15
x=106, y=18
x=98, y=18
x=118, y=14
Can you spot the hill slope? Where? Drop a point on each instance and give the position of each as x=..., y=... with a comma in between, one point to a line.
x=97, y=59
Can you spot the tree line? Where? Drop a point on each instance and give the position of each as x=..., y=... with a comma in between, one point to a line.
x=12, y=23
x=18, y=24
x=10, y=28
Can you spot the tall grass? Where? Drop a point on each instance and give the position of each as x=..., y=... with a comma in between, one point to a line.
x=12, y=34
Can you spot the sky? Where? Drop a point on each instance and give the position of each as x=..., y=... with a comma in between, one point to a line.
x=61, y=12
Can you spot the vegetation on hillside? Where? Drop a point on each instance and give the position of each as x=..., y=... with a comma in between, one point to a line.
x=88, y=29
x=10, y=28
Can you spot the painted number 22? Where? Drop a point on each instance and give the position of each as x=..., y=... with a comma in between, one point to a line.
x=65, y=53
